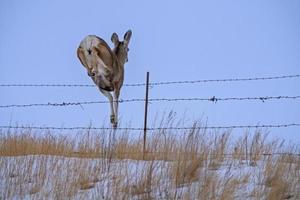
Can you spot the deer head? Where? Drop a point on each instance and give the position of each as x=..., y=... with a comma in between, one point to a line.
x=121, y=47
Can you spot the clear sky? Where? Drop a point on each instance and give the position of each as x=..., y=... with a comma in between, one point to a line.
x=173, y=40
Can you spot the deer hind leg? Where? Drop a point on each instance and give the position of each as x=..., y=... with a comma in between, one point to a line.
x=110, y=98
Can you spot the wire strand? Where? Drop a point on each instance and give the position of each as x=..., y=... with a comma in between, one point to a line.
x=153, y=128
x=160, y=83
x=212, y=99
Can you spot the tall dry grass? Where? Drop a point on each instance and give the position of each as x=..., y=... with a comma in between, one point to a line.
x=178, y=164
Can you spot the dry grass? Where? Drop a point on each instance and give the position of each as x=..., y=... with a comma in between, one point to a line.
x=191, y=164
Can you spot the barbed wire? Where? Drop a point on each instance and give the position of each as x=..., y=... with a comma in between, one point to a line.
x=216, y=154
x=212, y=99
x=216, y=99
x=67, y=103
x=226, y=80
x=160, y=83
x=153, y=128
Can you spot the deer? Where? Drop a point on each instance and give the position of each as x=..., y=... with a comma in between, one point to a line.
x=105, y=66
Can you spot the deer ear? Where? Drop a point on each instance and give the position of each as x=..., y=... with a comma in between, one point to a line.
x=115, y=39
x=127, y=36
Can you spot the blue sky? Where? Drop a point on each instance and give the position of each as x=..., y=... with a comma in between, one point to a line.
x=174, y=40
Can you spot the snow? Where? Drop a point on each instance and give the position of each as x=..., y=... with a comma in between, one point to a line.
x=55, y=177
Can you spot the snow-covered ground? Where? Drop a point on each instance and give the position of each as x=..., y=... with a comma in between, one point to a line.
x=55, y=177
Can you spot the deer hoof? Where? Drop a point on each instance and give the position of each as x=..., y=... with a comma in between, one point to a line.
x=115, y=125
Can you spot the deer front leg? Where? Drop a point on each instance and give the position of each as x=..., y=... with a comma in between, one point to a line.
x=116, y=106
x=110, y=98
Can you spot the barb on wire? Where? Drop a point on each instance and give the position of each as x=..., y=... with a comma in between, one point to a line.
x=160, y=83
x=153, y=128
x=213, y=99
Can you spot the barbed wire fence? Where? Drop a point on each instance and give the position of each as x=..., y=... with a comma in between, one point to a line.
x=213, y=99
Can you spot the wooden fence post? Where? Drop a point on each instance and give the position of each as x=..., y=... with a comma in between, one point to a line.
x=146, y=115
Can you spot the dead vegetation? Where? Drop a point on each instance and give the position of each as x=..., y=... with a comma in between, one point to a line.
x=189, y=164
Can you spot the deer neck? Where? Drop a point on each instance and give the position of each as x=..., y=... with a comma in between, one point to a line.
x=121, y=60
